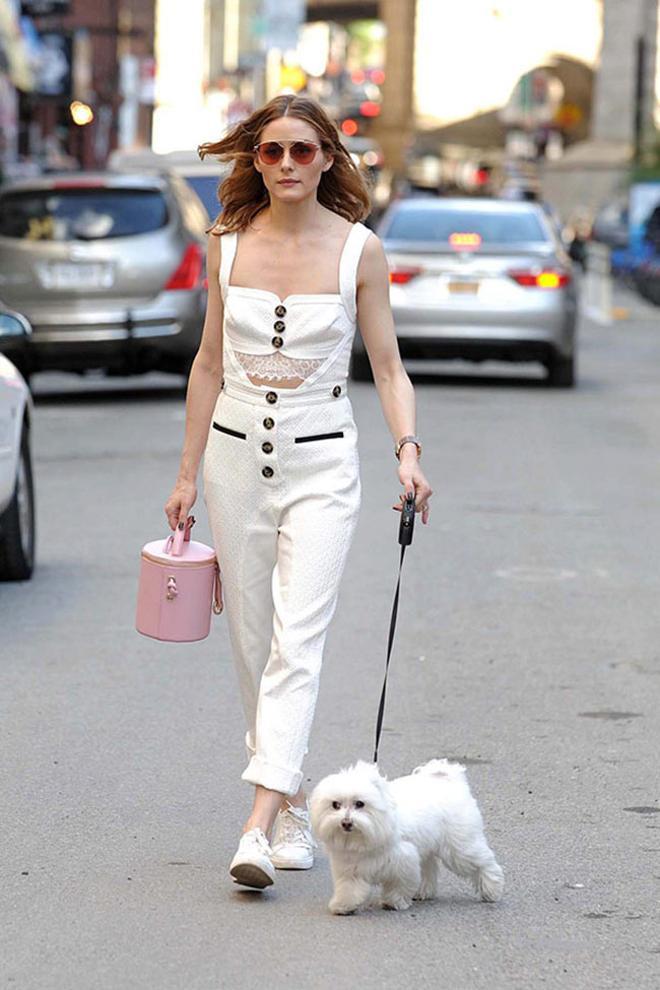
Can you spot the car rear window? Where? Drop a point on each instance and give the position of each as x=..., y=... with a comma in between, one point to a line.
x=445, y=226
x=206, y=187
x=82, y=214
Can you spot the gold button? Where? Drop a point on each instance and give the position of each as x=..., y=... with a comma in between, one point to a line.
x=277, y=341
x=271, y=397
x=267, y=472
x=280, y=310
x=267, y=447
x=336, y=390
x=269, y=423
x=279, y=326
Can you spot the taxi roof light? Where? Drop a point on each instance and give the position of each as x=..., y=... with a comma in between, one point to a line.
x=465, y=240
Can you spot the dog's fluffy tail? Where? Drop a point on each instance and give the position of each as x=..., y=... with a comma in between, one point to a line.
x=441, y=768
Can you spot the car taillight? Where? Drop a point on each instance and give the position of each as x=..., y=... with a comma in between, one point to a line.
x=400, y=276
x=187, y=275
x=546, y=279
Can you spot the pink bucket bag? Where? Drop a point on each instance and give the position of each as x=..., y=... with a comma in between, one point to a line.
x=179, y=588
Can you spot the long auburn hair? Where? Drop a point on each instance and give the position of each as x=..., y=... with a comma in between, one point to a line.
x=243, y=194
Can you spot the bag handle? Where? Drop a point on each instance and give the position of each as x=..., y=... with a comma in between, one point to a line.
x=175, y=540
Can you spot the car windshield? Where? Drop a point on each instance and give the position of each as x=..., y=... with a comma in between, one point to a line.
x=477, y=227
x=85, y=214
x=206, y=187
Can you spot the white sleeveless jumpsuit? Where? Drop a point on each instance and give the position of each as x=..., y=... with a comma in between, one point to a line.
x=282, y=491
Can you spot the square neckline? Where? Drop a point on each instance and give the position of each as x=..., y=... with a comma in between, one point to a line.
x=291, y=295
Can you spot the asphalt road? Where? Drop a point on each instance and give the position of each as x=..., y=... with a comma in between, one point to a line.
x=527, y=647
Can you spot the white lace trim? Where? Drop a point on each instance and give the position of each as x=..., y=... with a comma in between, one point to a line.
x=274, y=366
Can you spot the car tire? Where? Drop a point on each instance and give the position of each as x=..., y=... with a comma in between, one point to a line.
x=361, y=368
x=17, y=523
x=561, y=371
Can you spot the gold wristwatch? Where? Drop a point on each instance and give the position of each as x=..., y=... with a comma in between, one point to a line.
x=408, y=439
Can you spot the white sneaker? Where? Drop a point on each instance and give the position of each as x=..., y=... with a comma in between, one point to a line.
x=293, y=842
x=251, y=866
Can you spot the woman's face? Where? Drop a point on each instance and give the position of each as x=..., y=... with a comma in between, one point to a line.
x=288, y=180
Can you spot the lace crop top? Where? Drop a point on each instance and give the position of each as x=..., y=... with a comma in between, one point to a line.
x=303, y=336
x=273, y=367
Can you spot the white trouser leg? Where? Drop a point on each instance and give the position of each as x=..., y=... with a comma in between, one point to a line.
x=282, y=542
x=315, y=536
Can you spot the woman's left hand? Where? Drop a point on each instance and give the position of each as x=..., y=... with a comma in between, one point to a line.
x=412, y=478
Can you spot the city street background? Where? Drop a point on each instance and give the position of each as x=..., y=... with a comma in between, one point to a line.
x=527, y=647
x=518, y=142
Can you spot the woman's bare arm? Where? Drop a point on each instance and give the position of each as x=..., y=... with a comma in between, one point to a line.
x=204, y=385
x=395, y=390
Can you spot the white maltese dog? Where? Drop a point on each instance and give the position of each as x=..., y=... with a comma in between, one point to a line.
x=386, y=839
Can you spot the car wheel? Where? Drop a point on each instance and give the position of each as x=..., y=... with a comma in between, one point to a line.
x=361, y=368
x=561, y=371
x=17, y=524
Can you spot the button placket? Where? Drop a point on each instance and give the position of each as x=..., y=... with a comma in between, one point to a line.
x=267, y=446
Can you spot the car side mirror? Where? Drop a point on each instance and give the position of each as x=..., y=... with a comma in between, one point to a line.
x=13, y=328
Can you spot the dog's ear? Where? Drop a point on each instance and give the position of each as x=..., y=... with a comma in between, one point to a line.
x=370, y=771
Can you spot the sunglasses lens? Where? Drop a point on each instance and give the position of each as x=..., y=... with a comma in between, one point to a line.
x=303, y=153
x=270, y=152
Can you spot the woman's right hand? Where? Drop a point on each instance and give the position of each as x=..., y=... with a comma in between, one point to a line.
x=180, y=502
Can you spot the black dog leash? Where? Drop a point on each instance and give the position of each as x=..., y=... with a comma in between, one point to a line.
x=405, y=539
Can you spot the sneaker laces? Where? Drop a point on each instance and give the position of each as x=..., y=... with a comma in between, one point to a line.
x=256, y=837
x=294, y=828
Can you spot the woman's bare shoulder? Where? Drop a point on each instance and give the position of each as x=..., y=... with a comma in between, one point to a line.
x=373, y=262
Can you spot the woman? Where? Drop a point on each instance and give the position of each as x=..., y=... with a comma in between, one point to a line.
x=290, y=268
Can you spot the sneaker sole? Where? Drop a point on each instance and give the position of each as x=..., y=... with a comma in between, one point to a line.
x=250, y=875
x=281, y=864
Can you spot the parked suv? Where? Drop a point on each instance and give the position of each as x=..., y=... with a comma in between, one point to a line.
x=108, y=268
x=17, y=515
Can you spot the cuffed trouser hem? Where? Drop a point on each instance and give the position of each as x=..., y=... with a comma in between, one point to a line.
x=282, y=779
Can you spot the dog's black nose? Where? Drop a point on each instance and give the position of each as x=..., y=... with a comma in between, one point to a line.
x=347, y=826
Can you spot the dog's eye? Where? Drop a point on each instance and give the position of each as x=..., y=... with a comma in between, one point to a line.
x=359, y=804
x=336, y=805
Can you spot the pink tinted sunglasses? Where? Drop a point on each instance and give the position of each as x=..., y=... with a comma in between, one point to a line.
x=272, y=152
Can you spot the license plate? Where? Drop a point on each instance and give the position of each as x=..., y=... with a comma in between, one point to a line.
x=467, y=288
x=66, y=275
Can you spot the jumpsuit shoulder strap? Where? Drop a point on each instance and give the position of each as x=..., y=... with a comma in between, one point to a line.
x=348, y=266
x=228, y=244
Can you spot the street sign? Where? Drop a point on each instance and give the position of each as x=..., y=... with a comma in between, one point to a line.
x=53, y=70
x=43, y=8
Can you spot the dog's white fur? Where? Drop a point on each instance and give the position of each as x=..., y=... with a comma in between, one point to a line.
x=387, y=839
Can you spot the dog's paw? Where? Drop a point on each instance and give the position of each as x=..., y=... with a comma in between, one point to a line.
x=341, y=907
x=425, y=893
x=396, y=903
x=490, y=883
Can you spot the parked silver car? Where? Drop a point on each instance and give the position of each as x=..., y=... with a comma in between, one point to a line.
x=478, y=279
x=203, y=177
x=17, y=517
x=108, y=268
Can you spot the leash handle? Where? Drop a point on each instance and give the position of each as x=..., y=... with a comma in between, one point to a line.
x=406, y=526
